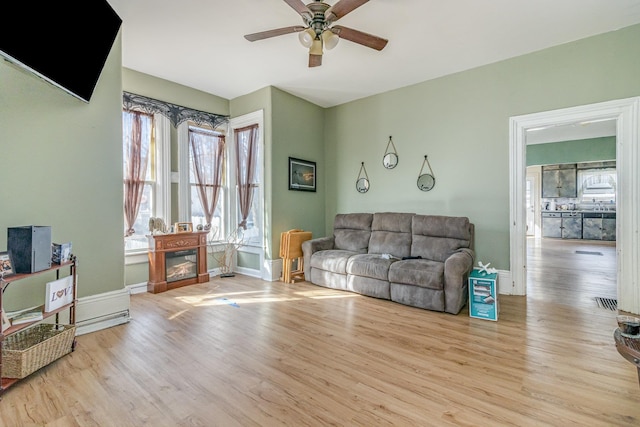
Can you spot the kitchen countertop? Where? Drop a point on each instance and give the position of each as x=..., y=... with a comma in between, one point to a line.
x=576, y=211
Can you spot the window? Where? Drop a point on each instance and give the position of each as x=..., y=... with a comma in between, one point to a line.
x=207, y=180
x=149, y=162
x=597, y=187
x=227, y=216
x=248, y=177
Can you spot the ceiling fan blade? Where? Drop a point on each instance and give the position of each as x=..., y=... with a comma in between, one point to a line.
x=315, y=60
x=300, y=7
x=273, y=33
x=341, y=8
x=368, y=40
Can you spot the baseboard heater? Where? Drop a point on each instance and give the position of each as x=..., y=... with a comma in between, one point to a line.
x=102, y=322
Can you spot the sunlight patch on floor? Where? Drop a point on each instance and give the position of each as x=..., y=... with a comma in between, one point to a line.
x=257, y=297
x=225, y=299
x=323, y=293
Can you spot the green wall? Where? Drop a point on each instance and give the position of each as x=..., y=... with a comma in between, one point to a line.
x=62, y=167
x=165, y=90
x=461, y=122
x=297, y=132
x=293, y=128
x=583, y=150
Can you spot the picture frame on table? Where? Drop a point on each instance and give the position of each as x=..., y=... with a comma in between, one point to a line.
x=183, y=227
x=6, y=264
x=302, y=175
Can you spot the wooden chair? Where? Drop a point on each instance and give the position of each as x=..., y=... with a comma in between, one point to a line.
x=290, y=252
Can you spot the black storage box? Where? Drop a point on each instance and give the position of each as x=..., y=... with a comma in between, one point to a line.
x=30, y=248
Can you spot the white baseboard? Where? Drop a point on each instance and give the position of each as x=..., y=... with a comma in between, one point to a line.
x=138, y=288
x=505, y=284
x=273, y=269
x=102, y=311
x=271, y=272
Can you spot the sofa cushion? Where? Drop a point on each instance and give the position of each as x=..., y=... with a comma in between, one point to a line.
x=416, y=296
x=368, y=286
x=369, y=265
x=418, y=272
x=391, y=234
x=437, y=237
x=333, y=260
x=352, y=231
x=329, y=279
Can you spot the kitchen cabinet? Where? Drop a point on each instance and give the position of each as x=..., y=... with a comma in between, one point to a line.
x=559, y=181
x=551, y=224
x=565, y=225
x=599, y=226
x=571, y=225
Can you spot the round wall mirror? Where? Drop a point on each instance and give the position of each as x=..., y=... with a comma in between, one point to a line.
x=390, y=157
x=390, y=160
x=426, y=182
x=362, y=185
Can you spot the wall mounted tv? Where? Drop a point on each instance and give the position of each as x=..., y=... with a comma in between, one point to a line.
x=64, y=42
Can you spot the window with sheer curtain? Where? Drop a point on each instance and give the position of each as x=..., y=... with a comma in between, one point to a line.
x=144, y=176
x=248, y=173
x=207, y=154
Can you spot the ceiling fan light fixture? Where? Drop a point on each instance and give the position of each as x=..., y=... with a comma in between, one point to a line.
x=330, y=39
x=316, y=47
x=306, y=37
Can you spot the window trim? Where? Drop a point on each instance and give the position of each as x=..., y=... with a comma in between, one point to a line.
x=184, y=186
x=257, y=117
x=162, y=190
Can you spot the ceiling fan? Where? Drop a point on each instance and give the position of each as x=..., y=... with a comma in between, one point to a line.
x=318, y=32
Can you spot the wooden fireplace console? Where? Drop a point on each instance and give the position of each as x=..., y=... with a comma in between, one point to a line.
x=161, y=244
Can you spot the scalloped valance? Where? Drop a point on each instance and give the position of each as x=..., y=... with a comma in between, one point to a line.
x=176, y=114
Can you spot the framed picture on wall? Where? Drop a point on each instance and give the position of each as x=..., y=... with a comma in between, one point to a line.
x=302, y=175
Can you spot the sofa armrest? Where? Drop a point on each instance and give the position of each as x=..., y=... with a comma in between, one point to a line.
x=456, y=273
x=309, y=247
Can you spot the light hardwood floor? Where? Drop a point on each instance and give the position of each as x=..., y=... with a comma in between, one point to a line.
x=244, y=352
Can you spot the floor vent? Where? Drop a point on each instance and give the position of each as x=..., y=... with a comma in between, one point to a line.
x=589, y=253
x=608, y=303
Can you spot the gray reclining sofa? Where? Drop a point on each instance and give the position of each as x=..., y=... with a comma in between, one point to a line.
x=418, y=260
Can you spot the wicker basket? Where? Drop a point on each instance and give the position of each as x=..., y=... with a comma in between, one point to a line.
x=28, y=350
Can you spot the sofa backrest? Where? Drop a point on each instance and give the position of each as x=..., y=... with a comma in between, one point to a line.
x=391, y=234
x=352, y=231
x=437, y=237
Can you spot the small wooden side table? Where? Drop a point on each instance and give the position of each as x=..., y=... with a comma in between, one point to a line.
x=629, y=348
x=290, y=251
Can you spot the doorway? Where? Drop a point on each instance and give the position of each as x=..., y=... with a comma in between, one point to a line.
x=626, y=112
x=532, y=206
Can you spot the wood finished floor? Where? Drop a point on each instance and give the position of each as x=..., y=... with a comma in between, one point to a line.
x=244, y=352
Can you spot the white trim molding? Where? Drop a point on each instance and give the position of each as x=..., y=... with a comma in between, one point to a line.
x=256, y=117
x=626, y=112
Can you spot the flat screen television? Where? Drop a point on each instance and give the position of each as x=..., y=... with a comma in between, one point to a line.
x=64, y=42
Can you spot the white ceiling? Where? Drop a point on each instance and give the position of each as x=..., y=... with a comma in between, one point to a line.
x=200, y=43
